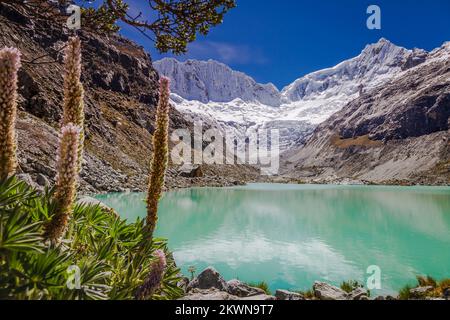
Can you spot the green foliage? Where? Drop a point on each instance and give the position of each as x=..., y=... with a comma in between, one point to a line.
x=308, y=294
x=439, y=287
x=261, y=285
x=113, y=256
x=170, y=24
x=192, y=270
x=349, y=286
x=426, y=281
x=437, y=291
x=405, y=293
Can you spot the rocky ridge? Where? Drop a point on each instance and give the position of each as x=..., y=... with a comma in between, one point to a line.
x=121, y=94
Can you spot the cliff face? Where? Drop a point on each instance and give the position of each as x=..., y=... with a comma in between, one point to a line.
x=398, y=131
x=121, y=96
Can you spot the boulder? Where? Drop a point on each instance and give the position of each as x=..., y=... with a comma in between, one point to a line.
x=208, y=294
x=447, y=293
x=208, y=279
x=420, y=292
x=192, y=172
x=287, y=295
x=324, y=291
x=358, y=294
x=240, y=289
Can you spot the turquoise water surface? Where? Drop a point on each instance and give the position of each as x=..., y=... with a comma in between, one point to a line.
x=292, y=235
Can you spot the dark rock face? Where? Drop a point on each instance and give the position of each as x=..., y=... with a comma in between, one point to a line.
x=208, y=279
x=121, y=93
x=417, y=116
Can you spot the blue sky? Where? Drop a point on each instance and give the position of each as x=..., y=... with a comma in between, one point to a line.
x=280, y=40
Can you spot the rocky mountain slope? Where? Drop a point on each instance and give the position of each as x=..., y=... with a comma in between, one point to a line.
x=397, y=132
x=233, y=102
x=120, y=100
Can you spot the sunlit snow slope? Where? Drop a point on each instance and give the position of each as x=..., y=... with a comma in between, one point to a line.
x=235, y=103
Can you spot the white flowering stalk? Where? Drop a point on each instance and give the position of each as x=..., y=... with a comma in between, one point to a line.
x=160, y=158
x=66, y=181
x=73, y=108
x=9, y=65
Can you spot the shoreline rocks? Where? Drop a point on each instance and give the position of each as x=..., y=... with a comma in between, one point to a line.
x=210, y=285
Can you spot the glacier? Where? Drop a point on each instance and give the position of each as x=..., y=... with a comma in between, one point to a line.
x=233, y=102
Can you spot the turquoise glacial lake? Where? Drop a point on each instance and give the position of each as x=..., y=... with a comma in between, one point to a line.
x=291, y=235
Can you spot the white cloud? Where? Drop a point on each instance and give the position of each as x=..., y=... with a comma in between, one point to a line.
x=225, y=52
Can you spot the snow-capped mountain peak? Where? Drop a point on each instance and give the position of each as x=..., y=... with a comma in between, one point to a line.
x=376, y=62
x=234, y=102
x=212, y=81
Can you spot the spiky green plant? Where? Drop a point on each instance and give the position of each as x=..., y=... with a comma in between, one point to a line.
x=66, y=181
x=9, y=65
x=160, y=156
x=113, y=256
x=73, y=108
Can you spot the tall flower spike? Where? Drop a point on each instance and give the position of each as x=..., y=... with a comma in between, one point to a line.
x=73, y=109
x=154, y=279
x=160, y=158
x=66, y=181
x=9, y=65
